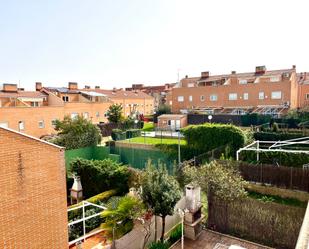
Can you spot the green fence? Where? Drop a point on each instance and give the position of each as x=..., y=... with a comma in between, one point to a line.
x=135, y=157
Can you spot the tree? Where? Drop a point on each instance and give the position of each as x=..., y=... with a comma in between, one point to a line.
x=223, y=181
x=120, y=214
x=76, y=133
x=160, y=191
x=163, y=109
x=114, y=113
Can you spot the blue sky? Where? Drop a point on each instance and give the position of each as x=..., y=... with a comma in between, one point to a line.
x=120, y=42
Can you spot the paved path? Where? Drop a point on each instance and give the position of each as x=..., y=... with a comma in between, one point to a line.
x=212, y=240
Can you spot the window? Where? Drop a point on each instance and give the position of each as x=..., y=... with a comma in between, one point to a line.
x=180, y=98
x=246, y=96
x=21, y=125
x=274, y=79
x=190, y=98
x=86, y=115
x=74, y=115
x=233, y=96
x=168, y=122
x=65, y=98
x=190, y=84
x=171, y=102
x=34, y=104
x=202, y=98
x=242, y=81
x=213, y=97
x=97, y=114
x=41, y=124
x=53, y=122
x=276, y=95
x=307, y=95
x=261, y=95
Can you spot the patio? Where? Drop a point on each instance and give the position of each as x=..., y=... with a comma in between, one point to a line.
x=213, y=240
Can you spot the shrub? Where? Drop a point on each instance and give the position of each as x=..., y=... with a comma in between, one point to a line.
x=175, y=234
x=133, y=133
x=210, y=136
x=118, y=134
x=100, y=175
x=158, y=245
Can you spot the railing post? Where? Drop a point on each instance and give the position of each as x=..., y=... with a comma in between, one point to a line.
x=84, y=222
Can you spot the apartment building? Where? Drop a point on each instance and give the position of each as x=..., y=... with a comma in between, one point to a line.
x=158, y=92
x=262, y=91
x=33, y=193
x=35, y=112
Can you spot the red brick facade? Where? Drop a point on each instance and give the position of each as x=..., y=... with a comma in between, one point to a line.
x=33, y=193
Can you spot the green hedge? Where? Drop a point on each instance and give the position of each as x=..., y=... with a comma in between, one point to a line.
x=133, y=133
x=210, y=136
x=275, y=136
x=100, y=175
x=118, y=134
x=282, y=158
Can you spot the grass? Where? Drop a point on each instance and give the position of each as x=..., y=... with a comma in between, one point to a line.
x=149, y=126
x=277, y=199
x=154, y=140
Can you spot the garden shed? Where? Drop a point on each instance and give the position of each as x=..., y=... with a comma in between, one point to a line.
x=172, y=121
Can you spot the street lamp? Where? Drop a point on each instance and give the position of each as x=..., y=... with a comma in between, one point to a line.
x=210, y=118
x=182, y=213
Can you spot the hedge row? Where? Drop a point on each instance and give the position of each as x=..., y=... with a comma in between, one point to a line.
x=210, y=136
x=118, y=134
x=100, y=175
x=275, y=136
x=277, y=158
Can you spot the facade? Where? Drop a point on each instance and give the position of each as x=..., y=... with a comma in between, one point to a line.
x=159, y=92
x=266, y=92
x=35, y=112
x=33, y=193
x=172, y=121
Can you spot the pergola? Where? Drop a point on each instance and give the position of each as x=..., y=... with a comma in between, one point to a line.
x=287, y=146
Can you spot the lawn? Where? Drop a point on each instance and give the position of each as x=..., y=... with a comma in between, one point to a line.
x=154, y=140
x=149, y=126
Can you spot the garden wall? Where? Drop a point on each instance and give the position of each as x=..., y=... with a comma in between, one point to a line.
x=267, y=223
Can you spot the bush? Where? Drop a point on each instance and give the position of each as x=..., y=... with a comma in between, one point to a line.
x=158, y=245
x=133, y=133
x=171, y=150
x=254, y=119
x=175, y=234
x=118, y=134
x=210, y=136
x=100, y=175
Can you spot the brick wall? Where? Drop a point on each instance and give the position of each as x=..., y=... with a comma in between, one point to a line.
x=33, y=193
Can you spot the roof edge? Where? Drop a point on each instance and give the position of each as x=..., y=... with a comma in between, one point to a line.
x=33, y=138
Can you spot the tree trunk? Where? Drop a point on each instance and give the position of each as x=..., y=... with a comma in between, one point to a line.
x=155, y=228
x=163, y=229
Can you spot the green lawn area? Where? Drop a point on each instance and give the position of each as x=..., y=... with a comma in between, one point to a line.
x=149, y=126
x=154, y=140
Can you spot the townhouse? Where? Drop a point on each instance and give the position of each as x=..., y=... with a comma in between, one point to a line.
x=33, y=193
x=35, y=112
x=158, y=92
x=262, y=91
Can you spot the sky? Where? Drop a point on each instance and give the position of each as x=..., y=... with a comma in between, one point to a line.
x=116, y=43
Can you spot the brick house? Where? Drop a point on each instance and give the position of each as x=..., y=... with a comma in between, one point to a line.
x=34, y=112
x=33, y=193
x=172, y=121
x=266, y=92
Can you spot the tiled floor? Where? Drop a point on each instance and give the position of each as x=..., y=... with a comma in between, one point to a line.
x=212, y=240
x=97, y=241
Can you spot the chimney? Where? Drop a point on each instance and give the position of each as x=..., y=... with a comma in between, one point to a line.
x=294, y=67
x=73, y=86
x=87, y=87
x=38, y=86
x=260, y=69
x=97, y=87
x=9, y=88
x=186, y=76
x=233, y=72
x=205, y=74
